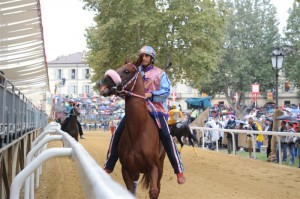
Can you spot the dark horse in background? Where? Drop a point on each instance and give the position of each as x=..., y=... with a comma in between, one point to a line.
x=139, y=149
x=182, y=130
x=72, y=127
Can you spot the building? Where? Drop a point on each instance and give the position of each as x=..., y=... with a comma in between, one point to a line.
x=69, y=76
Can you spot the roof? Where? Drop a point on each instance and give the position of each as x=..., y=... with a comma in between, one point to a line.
x=76, y=58
x=22, y=51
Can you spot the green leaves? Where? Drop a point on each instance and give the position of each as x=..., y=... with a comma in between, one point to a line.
x=188, y=33
x=250, y=34
x=292, y=45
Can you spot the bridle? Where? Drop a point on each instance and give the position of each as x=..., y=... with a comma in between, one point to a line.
x=73, y=113
x=120, y=89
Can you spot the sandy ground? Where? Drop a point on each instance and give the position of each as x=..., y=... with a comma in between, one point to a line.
x=210, y=175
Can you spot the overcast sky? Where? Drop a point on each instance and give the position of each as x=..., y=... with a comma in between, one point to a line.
x=64, y=23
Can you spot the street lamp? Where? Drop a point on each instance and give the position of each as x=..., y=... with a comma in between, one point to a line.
x=277, y=60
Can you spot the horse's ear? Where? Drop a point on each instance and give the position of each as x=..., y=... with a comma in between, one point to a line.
x=139, y=61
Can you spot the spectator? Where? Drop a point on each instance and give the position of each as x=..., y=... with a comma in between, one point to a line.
x=230, y=125
x=240, y=127
x=290, y=142
x=112, y=127
x=221, y=134
x=298, y=143
x=283, y=142
x=252, y=126
x=194, y=115
x=259, y=137
x=268, y=127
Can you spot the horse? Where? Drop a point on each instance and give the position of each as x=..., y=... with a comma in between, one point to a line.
x=139, y=149
x=71, y=127
x=182, y=129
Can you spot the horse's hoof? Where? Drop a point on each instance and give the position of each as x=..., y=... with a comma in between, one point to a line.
x=153, y=193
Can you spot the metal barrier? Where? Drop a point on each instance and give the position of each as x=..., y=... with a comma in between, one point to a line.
x=95, y=181
x=18, y=115
x=232, y=131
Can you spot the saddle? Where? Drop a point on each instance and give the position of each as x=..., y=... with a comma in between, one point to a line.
x=178, y=125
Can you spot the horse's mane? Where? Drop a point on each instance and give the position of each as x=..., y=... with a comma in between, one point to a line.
x=137, y=62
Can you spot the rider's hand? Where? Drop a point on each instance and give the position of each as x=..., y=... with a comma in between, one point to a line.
x=148, y=95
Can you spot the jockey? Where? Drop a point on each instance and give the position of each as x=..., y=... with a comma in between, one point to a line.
x=174, y=115
x=68, y=111
x=157, y=90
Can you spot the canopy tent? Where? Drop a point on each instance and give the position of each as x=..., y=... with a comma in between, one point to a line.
x=201, y=102
x=22, y=51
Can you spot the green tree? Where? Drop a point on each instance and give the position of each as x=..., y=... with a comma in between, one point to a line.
x=187, y=33
x=251, y=33
x=292, y=42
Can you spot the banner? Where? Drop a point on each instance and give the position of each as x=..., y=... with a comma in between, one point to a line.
x=270, y=96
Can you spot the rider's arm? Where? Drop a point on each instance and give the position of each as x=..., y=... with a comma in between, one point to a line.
x=180, y=114
x=163, y=93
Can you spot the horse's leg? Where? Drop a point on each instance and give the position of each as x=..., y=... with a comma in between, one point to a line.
x=128, y=180
x=192, y=143
x=154, y=191
x=181, y=143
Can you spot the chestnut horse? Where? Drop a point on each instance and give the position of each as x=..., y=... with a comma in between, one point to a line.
x=139, y=149
x=72, y=128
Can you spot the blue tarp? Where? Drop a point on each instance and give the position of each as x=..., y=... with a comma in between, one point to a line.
x=201, y=102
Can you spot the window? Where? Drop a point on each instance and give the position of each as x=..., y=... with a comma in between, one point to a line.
x=73, y=74
x=86, y=89
x=59, y=74
x=86, y=73
x=72, y=89
x=287, y=103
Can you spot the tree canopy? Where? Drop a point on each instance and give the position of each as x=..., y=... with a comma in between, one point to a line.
x=187, y=33
x=250, y=35
x=292, y=45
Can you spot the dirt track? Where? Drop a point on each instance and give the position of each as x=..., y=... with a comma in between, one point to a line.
x=210, y=175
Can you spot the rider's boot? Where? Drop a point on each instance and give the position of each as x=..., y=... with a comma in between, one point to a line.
x=180, y=178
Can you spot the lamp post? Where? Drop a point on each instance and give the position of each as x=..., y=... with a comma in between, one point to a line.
x=277, y=61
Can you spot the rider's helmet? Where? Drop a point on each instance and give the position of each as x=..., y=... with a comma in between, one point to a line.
x=173, y=106
x=148, y=50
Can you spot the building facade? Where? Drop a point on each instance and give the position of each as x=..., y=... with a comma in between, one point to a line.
x=69, y=76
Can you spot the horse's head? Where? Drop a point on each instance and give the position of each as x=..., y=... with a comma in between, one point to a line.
x=115, y=81
x=74, y=112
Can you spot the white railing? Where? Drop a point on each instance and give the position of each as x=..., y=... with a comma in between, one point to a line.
x=232, y=131
x=94, y=180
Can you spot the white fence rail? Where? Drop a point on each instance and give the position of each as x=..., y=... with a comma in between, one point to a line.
x=94, y=180
x=232, y=131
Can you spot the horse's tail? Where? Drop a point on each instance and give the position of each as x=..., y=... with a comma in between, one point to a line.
x=146, y=180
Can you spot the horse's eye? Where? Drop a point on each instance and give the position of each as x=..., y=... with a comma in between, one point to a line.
x=126, y=71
